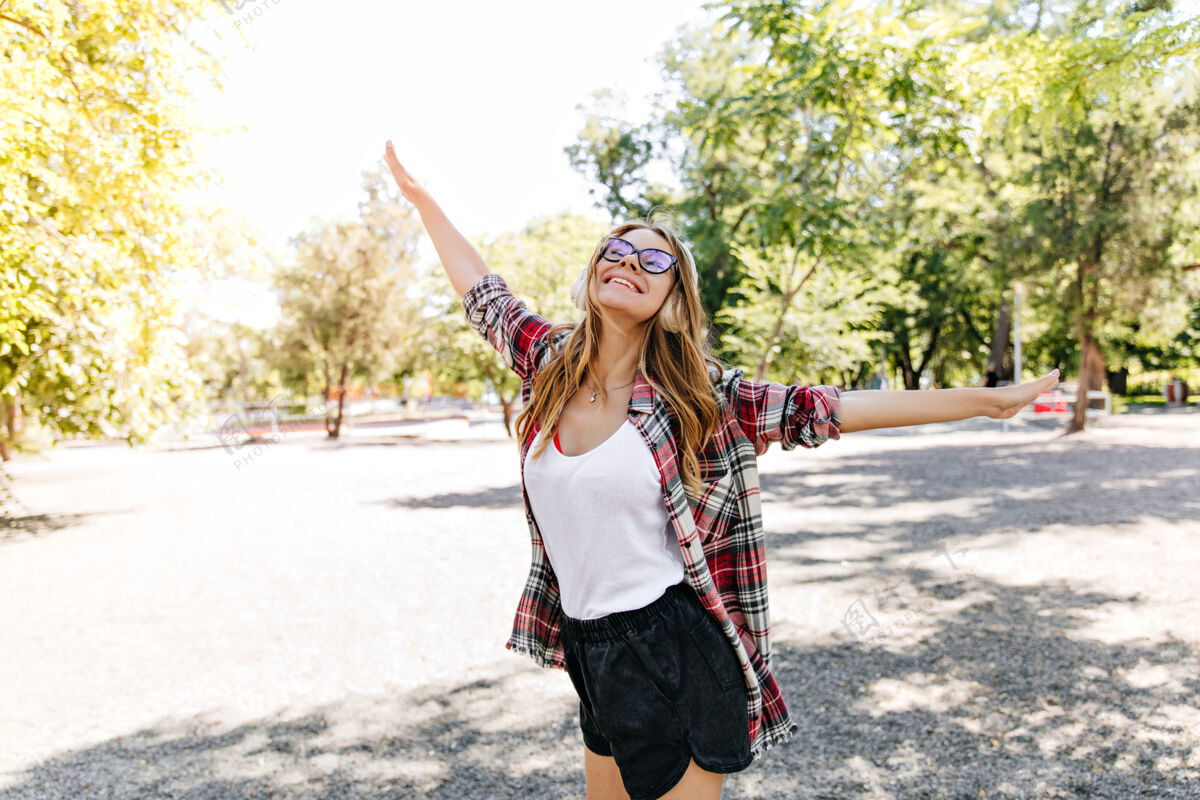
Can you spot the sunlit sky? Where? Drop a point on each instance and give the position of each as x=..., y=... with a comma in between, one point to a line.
x=479, y=98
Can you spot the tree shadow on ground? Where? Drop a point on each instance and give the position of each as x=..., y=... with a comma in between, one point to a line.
x=17, y=527
x=973, y=688
x=993, y=699
x=996, y=699
x=492, y=497
x=1086, y=483
x=454, y=741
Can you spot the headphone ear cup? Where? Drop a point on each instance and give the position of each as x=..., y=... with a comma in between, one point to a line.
x=671, y=314
x=579, y=290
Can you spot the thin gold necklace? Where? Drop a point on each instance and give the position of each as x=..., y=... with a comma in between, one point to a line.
x=610, y=388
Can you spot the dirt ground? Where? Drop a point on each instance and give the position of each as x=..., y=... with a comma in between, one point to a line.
x=958, y=611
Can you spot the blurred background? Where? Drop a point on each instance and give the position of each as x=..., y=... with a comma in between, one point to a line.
x=198, y=235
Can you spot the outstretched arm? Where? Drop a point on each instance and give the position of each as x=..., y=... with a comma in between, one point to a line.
x=865, y=409
x=461, y=260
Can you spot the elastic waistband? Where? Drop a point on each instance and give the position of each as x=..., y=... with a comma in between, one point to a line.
x=612, y=626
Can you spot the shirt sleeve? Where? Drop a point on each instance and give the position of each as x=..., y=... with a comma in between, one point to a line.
x=791, y=415
x=505, y=323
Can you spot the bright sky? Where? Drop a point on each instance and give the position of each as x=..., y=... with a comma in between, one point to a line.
x=478, y=97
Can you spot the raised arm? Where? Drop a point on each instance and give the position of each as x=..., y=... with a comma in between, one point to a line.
x=460, y=259
x=492, y=311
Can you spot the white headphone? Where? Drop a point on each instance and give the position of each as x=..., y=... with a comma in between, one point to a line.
x=577, y=289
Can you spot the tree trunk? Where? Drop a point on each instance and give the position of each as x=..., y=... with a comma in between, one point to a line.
x=14, y=424
x=911, y=379
x=1099, y=376
x=506, y=407
x=334, y=427
x=927, y=356
x=506, y=403
x=760, y=374
x=1091, y=360
x=1091, y=364
x=1001, y=336
x=912, y=372
x=8, y=407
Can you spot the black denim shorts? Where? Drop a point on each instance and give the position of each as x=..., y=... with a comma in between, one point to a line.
x=659, y=686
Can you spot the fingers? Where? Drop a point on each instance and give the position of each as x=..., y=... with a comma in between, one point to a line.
x=390, y=157
x=403, y=179
x=409, y=186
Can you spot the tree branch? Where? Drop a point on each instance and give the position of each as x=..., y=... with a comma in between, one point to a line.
x=24, y=25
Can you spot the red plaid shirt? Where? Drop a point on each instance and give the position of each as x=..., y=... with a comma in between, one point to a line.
x=720, y=531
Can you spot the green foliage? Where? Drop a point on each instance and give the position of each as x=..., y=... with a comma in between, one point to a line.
x=346, y=299
x=820, y=336
x=94, y=160
x=233, y=361
x=1090, y=146
x=909, y=162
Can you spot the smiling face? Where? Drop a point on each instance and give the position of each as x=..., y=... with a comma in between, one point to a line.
x=627, y=291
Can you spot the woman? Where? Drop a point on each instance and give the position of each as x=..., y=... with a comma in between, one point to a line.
x=641, y=491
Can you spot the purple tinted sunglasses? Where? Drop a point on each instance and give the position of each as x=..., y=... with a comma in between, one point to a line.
x=651, y=259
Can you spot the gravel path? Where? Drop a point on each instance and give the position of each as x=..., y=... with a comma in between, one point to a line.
x=328, y=620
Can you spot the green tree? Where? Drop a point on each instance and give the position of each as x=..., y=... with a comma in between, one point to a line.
x=941, y=151
x=712, y=188
x=346, y=305
x=1096, y=114
x=95, y=158
x=789, y=127
x=235, y=361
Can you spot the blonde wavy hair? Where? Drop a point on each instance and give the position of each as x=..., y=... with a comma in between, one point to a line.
x=675, y=362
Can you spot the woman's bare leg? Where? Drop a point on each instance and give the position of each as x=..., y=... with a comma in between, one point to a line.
x=697, y=784
x=603, y=777
x=604, y=781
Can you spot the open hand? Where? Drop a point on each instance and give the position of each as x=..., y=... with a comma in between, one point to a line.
x=1007, y=401
x=409, y=187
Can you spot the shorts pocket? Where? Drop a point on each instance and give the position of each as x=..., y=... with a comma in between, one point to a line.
x=717, y=652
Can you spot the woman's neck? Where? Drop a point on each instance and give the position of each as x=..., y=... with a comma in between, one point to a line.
x=617, y=358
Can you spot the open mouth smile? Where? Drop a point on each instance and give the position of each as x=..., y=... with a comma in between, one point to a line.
x=623, y=282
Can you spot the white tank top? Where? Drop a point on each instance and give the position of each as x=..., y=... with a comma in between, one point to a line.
x=604, y=523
